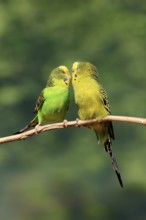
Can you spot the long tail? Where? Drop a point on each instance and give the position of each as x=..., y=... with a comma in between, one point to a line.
x=108, y=148
x=32, y=124
x=106, y=134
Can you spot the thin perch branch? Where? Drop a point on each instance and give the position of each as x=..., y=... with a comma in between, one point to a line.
x=77, y=123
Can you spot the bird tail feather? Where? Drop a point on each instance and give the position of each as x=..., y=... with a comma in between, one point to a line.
x=108, y=149
x=105, y=135
x=32, y=124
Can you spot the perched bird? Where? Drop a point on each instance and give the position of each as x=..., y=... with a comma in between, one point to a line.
x=92, y=102
x=53, y=102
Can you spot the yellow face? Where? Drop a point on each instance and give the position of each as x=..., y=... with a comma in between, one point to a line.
x=82, y=70
x=66, y=74
x=74, y=71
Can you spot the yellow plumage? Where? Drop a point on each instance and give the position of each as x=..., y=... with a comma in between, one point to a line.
x=91, y=100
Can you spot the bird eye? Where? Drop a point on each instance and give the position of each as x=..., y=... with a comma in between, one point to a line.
x=72, y=71
x=65, y=79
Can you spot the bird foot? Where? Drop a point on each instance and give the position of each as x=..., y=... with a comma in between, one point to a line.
x=65, y=123
x=77, y=122
x=37, y=128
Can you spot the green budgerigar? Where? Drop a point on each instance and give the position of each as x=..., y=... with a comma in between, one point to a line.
x=92, y=102
x=53, y=102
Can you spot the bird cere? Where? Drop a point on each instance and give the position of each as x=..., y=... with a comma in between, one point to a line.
x=90, y=98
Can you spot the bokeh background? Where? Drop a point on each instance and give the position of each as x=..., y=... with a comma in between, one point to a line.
x=64, y=174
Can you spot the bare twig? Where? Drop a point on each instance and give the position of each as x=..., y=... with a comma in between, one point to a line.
x=48, y=127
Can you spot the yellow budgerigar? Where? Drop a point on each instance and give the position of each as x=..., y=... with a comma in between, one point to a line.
x=92, y=102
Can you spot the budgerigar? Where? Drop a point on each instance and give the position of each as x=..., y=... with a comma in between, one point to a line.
x=53, y=102
x=92, y=102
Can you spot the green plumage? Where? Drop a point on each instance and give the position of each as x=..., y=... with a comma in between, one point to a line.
x=92, y=102
x=53, y=101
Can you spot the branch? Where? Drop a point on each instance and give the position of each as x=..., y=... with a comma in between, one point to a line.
x=76, y=123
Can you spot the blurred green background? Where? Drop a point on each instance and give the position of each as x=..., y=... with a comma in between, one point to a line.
x=64, y=174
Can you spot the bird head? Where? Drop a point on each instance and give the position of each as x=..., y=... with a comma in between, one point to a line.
x=64, y=72
x=60, y=76
x=82, y=69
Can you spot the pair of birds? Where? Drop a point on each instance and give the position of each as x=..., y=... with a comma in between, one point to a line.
x=90, y=98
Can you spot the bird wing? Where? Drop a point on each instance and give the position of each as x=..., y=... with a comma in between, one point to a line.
x=103, y=93
x=105, y=101
x=39, y=102
x=107, y=107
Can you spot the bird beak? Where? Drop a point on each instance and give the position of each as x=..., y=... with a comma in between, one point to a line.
x=67, y=80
